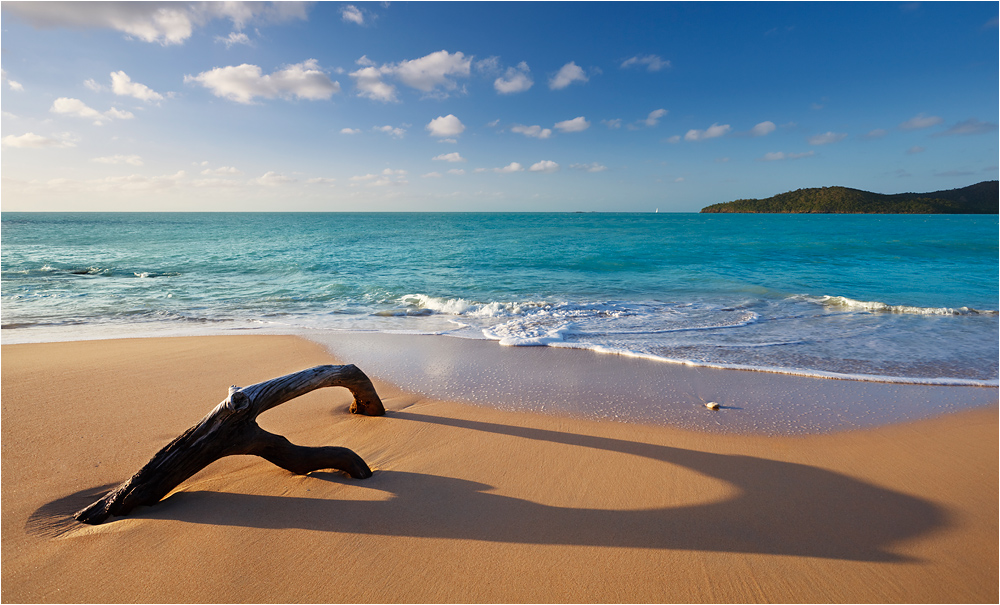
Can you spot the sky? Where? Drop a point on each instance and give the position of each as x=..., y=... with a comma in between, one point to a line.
x=480, y=106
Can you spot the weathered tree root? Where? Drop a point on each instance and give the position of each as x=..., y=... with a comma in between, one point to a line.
x=231, y=428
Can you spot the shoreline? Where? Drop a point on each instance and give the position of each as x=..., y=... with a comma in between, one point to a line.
x=470, y=503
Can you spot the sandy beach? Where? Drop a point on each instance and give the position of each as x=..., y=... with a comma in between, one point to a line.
x=470, y=503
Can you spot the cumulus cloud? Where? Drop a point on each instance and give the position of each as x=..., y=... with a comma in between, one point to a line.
x=575, y=125
x=132, y=160
x=449, y=157
x=762, y=129
x=273, y=179
x=654, y=117
x=352, y=14
x=15, y=86
x=713, y=131
x=612, y=124
x=233, y=39
x=567, y=74
x=433, y=74
x=536, y=131
x=652, y=62
x=368, y=81
x=826, y=138
x=921, y=121
x=775, y=156
x=970, y=126
x=433, y=71
x=243, y=83
x=350, y=131
x=392, y=131
x=30, y=140
x=547, y=166
x=77, y=108
x=512, y=167
x=456, y=171
x=445, y=126
x=123, y=85
x=516, y=79
x=221, y=171
x=432, y=175
x=385, y=178
x=163, y=23
x=591, y=167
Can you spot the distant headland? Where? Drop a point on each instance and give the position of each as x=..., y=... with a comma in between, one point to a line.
x=981, y=198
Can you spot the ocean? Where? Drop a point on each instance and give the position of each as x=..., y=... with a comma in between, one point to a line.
x=887, y=298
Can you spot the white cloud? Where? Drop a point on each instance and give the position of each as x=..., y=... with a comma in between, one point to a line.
x=433, y=74
x=652, y=62
x=591, y=167
x=120, y=114
x=921, y=121
x=827, y=138
x=164, y=23
x=132, y=160
x=320, y=181
x=547, y=166
x=233, y=39
x=780, y=155
x=242, y=83
x=674, y=139
x=15, y=86
x=457, y=171
x=385, y=178
x=878, y=133
x=221, y=171
x=123, y=85
x=612, y=124
x=432, y=175
x=449, y=157
x=93, y=85
x=763, y=129
x=273, y=179
x=970, y=126
x=352, y=14
x=350, y=131
x=568, y=74
x=392, y=131
x=368, y=81
x=79, y=109
x=532, y=131
x=434, y=70
x=512, y=167
x=445, y=126
x=654, y=117
x=30, y=140
x=515, y=80
x=713, y=131
x=575, y=125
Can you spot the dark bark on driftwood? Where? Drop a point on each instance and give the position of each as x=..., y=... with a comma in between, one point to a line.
x=231, y=428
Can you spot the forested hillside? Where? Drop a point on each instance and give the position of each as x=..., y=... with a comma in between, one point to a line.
x=981, y=198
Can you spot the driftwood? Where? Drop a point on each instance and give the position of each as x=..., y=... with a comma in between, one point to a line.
x=231, y=428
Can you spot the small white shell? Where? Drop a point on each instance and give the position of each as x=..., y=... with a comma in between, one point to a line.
x=712, y=405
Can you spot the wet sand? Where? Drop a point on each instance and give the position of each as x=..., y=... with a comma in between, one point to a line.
x=470, y=503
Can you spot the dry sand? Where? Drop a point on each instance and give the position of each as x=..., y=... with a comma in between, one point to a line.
x=470, y=504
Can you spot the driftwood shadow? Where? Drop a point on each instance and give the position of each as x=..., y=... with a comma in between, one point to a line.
x=780, y=508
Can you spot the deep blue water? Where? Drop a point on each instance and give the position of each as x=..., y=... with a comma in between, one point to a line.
x=907, y=298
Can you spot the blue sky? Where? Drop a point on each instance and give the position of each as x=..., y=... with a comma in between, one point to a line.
x=481, y=106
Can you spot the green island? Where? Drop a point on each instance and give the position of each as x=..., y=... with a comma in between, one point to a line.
x=981, y=198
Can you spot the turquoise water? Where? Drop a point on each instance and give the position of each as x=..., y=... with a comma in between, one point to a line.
x=886, y=297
